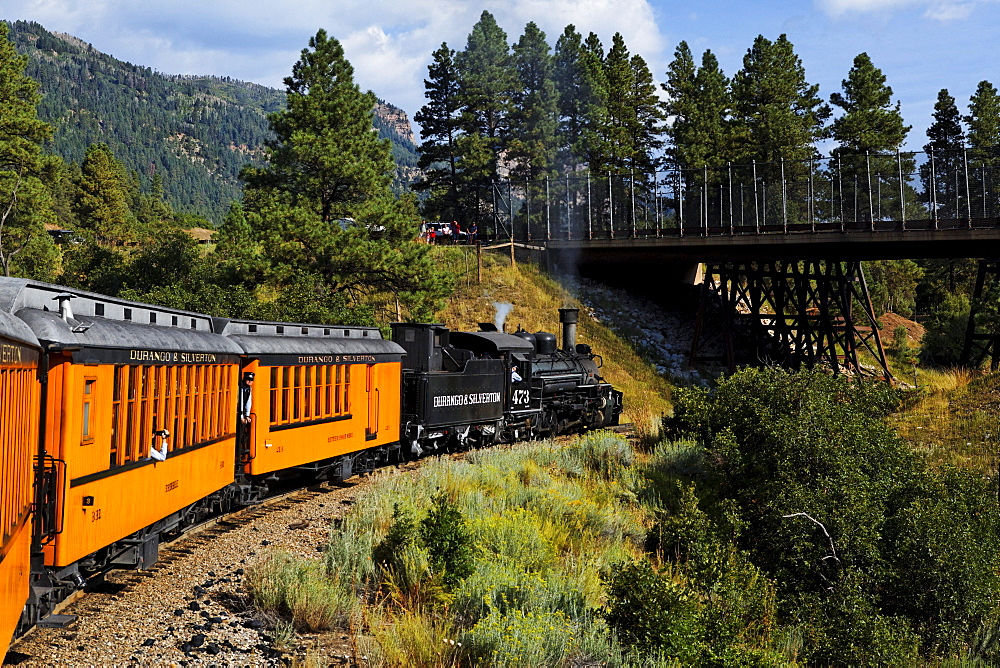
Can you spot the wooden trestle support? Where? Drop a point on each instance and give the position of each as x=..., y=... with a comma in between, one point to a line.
x=982, y=336
x=789, y=313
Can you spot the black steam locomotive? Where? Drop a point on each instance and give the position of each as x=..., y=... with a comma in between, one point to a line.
x=464, y=389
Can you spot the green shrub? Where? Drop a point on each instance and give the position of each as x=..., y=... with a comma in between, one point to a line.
x=448, y=541
x=649, y=611
x=402, y=533
x=518, y=638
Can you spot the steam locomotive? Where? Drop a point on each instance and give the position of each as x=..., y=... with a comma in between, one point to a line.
x=124, y=423
x=479, y=388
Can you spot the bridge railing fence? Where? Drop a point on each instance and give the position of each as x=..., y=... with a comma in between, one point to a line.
x=846, y=192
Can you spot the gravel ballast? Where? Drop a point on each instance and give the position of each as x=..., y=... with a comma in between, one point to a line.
x=191, y=607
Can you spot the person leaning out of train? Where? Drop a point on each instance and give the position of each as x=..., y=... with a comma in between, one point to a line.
x=246, y=397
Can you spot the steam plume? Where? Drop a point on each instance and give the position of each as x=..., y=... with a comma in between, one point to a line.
x=503, y=309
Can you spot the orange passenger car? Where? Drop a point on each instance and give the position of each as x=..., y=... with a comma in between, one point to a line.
x=322, y=398
x=140, y=417
x=19, y=412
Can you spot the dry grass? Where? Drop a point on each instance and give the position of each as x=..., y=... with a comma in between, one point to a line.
x=536, y=298
x=957, y=419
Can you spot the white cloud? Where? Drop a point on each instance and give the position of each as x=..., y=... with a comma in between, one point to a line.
x=388, y=42
x=944, y=11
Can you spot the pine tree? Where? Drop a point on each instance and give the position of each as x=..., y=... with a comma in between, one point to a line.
x=25, y=201
x=486, y=80
x=869, y=128
x=533, y=141
x=583, y=100
x=568, y=76
x=325, y=156
x=440, y=124
x=338, y=245
x=103, y=199
x=942, y=174
x=699, y=102
x=621, y=112
x=648, y=121
x=983, y=122
x=870, y=124
x=777, y=113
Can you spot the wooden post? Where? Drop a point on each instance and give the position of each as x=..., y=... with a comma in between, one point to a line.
x=512, y=253
x=479, y=262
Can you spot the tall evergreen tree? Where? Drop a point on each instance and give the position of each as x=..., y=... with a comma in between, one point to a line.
x=104, y=198
x=621, y=110
x=943, y=176
x=647, y=123
x=533, y=138
x=777, y=113
x=325, y=157
x=440, y=125
x=870, y=123
x=983, y=120
x=25, y=201
x=593, y=144
x=870, y=127
x=487, y=80
x=699, y=102
x=338, y=244
x=573, y=91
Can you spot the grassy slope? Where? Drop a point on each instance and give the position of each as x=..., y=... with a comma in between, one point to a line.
x=956, y=420
x=536, y=298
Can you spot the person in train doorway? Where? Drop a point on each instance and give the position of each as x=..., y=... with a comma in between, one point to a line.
x=515, y=377
x=246, y=398
x=244, y=412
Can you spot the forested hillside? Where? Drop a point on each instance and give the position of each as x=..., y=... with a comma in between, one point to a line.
x=194, y=133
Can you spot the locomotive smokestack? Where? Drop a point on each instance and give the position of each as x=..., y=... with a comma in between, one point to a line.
x=65, y=309
x=569, y=317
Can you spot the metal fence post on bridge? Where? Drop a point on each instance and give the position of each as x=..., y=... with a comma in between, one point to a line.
x=569, y=215
x=704, y=201
x=590, y=211
x=548, y=212
x=729, y=167
x=527, y=207
x=678, y=189
x=756, y=209
x=840, y=188
x=631, y=188
x=812, y=196
x=934, y=207
x=902, y=198
x=611, y=205
x=656, y=202
x=784, y=201
x=868, y=171
x=968, y=196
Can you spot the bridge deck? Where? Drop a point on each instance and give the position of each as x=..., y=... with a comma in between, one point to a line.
x=857, y=241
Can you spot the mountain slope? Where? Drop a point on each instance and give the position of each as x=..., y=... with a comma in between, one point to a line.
x=194, y=133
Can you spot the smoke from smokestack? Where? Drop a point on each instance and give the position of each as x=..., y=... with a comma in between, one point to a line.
x=503, y=309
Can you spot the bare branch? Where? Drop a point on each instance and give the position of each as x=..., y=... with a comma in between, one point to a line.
x=833, y=550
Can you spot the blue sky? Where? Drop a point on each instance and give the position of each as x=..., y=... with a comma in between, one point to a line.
x=921, y=45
